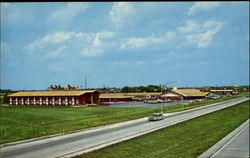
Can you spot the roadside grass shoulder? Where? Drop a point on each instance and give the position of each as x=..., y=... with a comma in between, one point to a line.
x=19, y=123
x=188, y=139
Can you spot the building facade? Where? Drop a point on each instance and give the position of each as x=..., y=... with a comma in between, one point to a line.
x=222, y=92
x=54, y=98
x=114, y=97
x=171, y=96
x=144, y=95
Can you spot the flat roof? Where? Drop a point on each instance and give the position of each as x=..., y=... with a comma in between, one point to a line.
x=50, y=93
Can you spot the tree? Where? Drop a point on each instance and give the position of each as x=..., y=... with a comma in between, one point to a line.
x=207, y=88
x=149, y=88
x=236, y=89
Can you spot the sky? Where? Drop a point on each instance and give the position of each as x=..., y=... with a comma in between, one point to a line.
x=117, y=44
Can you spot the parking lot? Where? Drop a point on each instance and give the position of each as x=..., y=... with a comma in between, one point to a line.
x=146, y=105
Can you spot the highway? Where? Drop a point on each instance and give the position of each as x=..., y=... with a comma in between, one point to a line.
x=74, y=144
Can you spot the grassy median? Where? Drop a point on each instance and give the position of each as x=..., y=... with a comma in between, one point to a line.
x=185, y=140
x=19, y=123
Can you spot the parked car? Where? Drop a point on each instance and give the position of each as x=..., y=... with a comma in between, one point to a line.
x=156, y=117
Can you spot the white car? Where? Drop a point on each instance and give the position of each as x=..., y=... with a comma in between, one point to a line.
x=156, y=117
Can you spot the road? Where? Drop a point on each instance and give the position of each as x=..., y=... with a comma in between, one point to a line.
x=73, y=144
x=237, y=147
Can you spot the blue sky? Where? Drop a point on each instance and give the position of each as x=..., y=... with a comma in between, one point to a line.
x=124, y=44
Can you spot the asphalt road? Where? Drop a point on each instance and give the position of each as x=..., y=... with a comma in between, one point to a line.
x=73, y=144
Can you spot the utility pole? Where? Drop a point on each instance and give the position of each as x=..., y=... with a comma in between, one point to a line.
x=85, y=82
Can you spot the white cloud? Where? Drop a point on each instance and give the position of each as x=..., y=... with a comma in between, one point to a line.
x=104, y=35
x=90, y=44
x=69, y=10
x=59, y=52
x=193, y=26
x=53, y=38
x=201, y=40
x=202, y=36
x=92, y=52
x=139, y=42
x=121, y=12
x=190, y=26
x=87, y=44
x=199, y=6
x=97, y=45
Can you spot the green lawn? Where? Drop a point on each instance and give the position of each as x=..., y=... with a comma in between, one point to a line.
x=185, y=140
x=19, y=123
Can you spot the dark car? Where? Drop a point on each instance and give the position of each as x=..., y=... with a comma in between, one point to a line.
x=156, y=117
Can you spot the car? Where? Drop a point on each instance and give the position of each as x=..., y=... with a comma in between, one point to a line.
x=156, y=117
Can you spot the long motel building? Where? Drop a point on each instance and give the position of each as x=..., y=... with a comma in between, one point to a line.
x=54, y=98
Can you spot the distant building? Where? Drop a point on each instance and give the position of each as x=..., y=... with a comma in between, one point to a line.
x=123, y=97
x=145, y=95
x=222, y=92
x=184, y=94
x=114, y=97
x=54, y=98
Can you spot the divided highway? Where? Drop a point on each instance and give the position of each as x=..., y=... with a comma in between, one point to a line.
x=73, y=144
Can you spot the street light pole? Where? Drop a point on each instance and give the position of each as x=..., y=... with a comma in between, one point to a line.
x=161, y=94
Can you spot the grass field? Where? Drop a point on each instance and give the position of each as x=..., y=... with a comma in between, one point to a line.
x=19, y=123
x=185, y=140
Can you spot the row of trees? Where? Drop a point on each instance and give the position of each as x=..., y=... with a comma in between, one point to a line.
x=3, y=95
x=149, y=88
x=155, y=88
x=59, y=87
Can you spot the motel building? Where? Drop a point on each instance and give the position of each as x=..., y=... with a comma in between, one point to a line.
x=114, y=97
x=145, y=95
x=125, y=97
x=184, y=94
x=54, y=98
